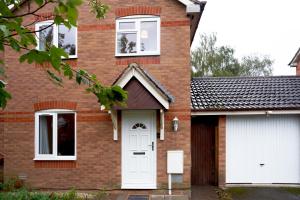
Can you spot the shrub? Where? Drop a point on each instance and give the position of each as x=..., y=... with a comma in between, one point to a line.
x=23, y=194
x=12, y=184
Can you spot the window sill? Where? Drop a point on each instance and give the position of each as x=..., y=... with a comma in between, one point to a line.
x=61, y=158
x=136, y=55
x=70, y=58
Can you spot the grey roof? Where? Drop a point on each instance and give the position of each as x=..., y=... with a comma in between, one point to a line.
x=245, y=93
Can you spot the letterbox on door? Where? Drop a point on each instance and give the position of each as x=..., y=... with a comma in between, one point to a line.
x=175, y=162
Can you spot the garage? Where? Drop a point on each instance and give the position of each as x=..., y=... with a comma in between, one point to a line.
x=263, y=149
x=255, y=135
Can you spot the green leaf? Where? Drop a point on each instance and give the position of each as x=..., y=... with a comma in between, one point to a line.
x=39, y=2
x=14, y=44
x=57, y=80
x=78, y=78
x=4, y=95
x=67, y=70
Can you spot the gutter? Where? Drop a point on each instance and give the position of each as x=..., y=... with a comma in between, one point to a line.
x=293, y=62
x=195, y=11
x=254, y=112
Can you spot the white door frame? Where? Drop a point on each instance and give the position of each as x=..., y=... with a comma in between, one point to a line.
x=153, y=134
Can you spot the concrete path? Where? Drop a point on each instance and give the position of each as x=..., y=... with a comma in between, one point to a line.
x=204, y=192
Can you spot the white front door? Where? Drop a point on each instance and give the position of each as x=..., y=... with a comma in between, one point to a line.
x=139, y=149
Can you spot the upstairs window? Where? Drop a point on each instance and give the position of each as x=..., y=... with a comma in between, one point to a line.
x=58, y=35
x=55, y=133
x=138, y=36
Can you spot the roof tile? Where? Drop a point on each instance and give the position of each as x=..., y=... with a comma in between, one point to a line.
x=245, y=93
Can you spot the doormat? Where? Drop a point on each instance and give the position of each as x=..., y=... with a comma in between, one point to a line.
x=138, y=197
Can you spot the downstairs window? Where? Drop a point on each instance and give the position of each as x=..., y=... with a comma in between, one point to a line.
x=55, y=135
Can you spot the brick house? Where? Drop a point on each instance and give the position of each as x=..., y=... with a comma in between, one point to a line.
x=57, y=137
x=295, y=62
x=240, y=130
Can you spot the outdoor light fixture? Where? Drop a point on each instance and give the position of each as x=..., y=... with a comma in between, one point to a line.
x=175, y=124
x=268, y=113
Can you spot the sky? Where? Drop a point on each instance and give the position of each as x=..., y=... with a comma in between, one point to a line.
x=264, y=27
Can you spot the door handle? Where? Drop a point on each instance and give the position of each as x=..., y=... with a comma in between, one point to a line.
x=152, y=146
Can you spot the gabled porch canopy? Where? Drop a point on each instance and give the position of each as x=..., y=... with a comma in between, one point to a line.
x=144, y=92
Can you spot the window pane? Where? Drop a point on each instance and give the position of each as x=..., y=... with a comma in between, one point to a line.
x=45, y=134
x=126, y=25
x=67, y=39
x=148, y=36
x=126, y=42
x=45, y=38
x=66, y=134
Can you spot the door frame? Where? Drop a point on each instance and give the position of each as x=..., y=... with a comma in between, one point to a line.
x=153, y=134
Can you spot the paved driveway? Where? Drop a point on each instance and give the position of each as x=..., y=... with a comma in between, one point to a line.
x=265, y=193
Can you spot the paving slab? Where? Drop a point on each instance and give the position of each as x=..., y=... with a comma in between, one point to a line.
x=204, y=192
x=157, y=197
x=176, y=197
x=169, y=197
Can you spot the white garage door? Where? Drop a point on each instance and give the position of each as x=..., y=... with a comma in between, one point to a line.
x=261, y=149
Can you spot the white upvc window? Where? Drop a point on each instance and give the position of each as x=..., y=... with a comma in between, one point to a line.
x=58, y=35
x=138, y=36
x=55, y=135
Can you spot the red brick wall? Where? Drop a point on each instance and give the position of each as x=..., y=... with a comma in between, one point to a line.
x=298, y=69
x=221, y=152
x=98, y=161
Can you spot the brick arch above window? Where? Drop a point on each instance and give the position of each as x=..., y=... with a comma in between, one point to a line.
x=45, y=105
x=138, y=10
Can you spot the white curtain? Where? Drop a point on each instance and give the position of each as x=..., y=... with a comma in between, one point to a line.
x=44, y=139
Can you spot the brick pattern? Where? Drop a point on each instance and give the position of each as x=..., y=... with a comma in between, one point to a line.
x=175, y=23
x=221, y=152
x=96, y=27
x=98, y=161
x=55, y=105
x=298, y=69
x=71, y=62
x=138, y=10
x=140, y=60
x=55, y=164
x=44, y=16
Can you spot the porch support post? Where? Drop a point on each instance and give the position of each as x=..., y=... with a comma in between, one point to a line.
x=162, y=124
x=114, y=119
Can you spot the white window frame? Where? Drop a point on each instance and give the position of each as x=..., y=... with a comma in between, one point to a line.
x=137, y=19
x=54, y=156
x=55, y=35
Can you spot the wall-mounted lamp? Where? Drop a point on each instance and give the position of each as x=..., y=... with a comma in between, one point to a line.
x=175, y=124
x=268, y=113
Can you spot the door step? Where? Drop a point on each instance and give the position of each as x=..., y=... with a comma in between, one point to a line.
x=138, y=197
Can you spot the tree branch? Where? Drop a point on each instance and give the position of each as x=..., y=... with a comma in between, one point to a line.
x=25, y=14
x=30, y=31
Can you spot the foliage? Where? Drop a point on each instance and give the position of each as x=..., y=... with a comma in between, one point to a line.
x=18, y=36
x=101, y=195
x=237, y=191
x=23, y=194
x=12, y=184
x=292, y=190
x=210, y=60
x=223, y=195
